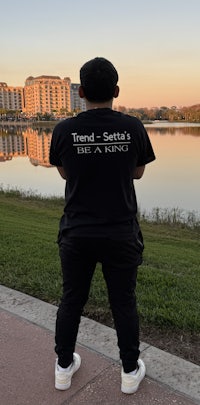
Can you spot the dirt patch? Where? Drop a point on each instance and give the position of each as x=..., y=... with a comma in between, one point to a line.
x=183, y=344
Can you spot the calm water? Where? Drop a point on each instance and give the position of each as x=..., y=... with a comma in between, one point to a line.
x=172, y=181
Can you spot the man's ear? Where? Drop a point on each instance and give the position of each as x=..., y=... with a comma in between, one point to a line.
x=81, y=92
x=116, y=93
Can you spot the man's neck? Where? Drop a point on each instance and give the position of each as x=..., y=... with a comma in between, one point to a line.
x=92, y=105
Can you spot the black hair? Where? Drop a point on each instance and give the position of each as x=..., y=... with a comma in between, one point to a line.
x=98, y=79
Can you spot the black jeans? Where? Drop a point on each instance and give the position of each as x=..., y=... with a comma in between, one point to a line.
x=119, y=260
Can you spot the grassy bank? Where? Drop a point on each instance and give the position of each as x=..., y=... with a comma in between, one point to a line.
x=168, y=288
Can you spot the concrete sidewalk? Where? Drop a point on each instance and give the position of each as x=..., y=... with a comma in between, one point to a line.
x=27, y=362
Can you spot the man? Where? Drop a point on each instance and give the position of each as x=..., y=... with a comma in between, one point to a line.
x=99, y=153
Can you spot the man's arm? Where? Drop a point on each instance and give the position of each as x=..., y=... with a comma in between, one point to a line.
x=62, y=172
x=138, y=172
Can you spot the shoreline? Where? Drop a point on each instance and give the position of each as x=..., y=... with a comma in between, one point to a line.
x=27, y=123
x=147, y=124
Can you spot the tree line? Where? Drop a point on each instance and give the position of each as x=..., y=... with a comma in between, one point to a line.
x=187, y=114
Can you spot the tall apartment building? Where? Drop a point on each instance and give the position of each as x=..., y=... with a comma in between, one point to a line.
x=11, y=98
x=77, y=103
x=47, y=94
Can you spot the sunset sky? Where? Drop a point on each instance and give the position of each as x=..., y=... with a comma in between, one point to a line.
x=155, y=45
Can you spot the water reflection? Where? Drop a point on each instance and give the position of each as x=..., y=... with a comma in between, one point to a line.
x=171, y=181
x=35, y=144
x=175, y=131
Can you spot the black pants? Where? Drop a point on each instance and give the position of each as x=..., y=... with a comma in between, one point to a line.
x=119, y=265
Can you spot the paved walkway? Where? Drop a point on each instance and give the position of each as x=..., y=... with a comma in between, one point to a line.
x=27, y=362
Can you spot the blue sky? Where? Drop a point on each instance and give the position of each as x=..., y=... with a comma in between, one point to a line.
x=153, y=44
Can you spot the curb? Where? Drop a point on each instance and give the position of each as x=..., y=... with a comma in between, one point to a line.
x=177, y=373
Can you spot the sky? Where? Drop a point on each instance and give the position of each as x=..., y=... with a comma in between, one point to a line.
x=154, y=45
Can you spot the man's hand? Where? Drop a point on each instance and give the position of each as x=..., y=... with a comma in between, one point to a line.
x=62, y=172
x=138, y=172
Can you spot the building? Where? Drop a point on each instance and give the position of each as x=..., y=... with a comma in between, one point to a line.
x=41, y=95
x=11, y=98
x=77, y=103
x=47, y=94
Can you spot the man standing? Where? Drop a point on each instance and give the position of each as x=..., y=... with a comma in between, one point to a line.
x=99, y=153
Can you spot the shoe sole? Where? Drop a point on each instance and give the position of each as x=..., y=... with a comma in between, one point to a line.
x=62, y=387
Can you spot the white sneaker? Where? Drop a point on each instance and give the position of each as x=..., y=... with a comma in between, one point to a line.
x=63, y=378
x=130, y=383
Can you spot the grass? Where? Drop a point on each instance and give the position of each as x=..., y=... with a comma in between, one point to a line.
x=168, y=288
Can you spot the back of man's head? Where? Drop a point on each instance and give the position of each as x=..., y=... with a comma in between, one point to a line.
x=98, y=79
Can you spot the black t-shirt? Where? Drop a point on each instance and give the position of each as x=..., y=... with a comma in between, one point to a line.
x=99, y=150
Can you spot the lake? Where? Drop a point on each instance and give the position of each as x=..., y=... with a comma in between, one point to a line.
x=172, y=181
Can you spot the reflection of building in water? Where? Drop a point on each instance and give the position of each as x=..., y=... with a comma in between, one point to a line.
x=77, y=103
x=11, y=145
x=32, y=143
x=47, y=94
x=11, y=98
x=38, y=144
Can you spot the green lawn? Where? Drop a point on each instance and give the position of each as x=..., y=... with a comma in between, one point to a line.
x=168, y=288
